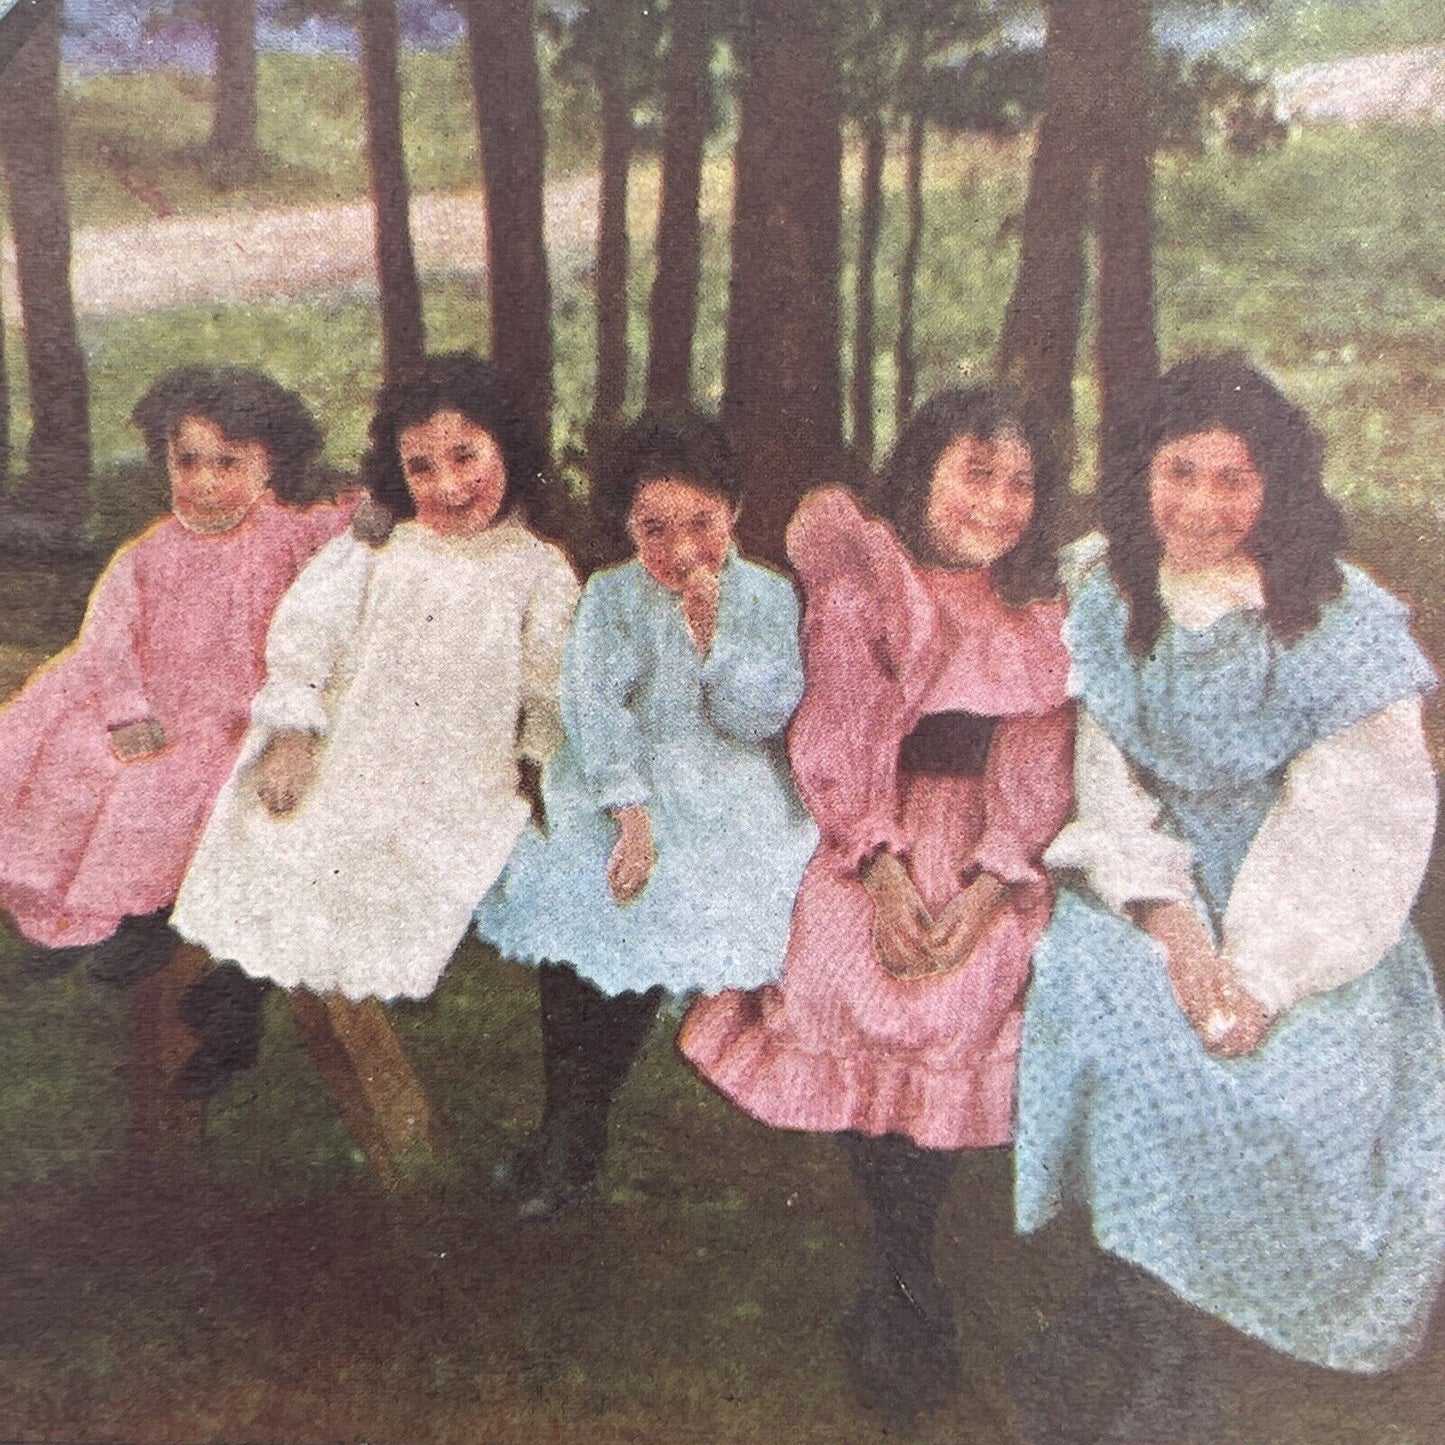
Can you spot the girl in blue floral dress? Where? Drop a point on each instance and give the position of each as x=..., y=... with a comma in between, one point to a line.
x=675, y=839
x=1233, y=1053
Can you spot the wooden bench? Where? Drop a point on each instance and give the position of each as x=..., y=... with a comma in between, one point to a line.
x=354, y=1047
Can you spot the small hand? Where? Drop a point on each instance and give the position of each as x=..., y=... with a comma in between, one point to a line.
x=633, y=856
x=1241, y=1024
x=286, y=769
x=372, y=523
x=962, y=920
x=700, y=593
x=901, y=922
x=137, y=740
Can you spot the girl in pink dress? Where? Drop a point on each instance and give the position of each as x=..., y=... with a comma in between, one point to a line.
x=933, y=745
x=113, y=753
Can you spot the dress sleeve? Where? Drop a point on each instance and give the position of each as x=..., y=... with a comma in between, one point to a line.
x=1327, y=885
x=544, y=636
x=600, y=670
x=1027, y=794
x=752, y=677
x=311, y=627
x=110, y=645
x=1115, y=840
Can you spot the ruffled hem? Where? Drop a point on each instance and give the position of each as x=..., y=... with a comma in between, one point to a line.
x=769, y=1075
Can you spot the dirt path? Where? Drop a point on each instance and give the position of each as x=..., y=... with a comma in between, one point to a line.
x=230, y=256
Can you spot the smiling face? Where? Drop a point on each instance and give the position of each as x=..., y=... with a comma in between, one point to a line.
x=1205, y=496
x=214, y=481
x=981, y=499
x=455, y=472
x=677, y=527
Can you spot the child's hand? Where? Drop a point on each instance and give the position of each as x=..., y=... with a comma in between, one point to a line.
x=286, y=770
x=137, y=740
x=633, y=856
x=962, y=920
x=372, y=523
x=901, y=923
x=700, y=594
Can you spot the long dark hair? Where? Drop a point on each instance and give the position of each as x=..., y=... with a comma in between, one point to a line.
x=1030, y=571
x=464, y=382
x=245, y=405
x=1300, y=532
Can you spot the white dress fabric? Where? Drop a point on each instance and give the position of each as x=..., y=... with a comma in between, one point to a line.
x=425, y=668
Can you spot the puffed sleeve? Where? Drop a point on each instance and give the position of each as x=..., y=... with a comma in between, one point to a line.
x=544, y=636
x=752, y=677
x=1114, y=840
x=309, y=633
x=110, y=646
x=1027, y=794
x=600, y=668
x=1328, y=883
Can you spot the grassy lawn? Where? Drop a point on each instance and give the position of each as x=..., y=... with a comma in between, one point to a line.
x=263, y=1288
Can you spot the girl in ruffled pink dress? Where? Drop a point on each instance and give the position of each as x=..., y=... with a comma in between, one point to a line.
x=933, y=745
x=113, y=753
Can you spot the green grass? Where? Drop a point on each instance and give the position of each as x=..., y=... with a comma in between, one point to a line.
x=1301, y=32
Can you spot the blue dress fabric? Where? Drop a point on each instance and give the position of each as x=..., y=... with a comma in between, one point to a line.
x=699, y=741
x=1297, y=1193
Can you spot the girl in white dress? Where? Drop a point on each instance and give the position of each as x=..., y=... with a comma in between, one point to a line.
x=378, y=793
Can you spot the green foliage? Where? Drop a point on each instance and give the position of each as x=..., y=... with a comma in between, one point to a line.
x=1301, y=32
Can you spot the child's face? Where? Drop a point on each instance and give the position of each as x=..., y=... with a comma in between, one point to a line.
x=1205, y=495
x=981, y=500
x=214, y=481
x=678, y=527
x=455, y=473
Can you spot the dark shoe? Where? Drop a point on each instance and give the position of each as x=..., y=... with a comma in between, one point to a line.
x=562, y=1173
x=140, y=947
x=521, y=1176
x=39, y=965
x=223, y=1009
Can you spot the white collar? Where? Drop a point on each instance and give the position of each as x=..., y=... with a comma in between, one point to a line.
x=1198, y=599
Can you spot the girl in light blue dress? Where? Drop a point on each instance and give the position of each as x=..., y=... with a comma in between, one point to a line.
x=674, y=839
x=1233, y=1054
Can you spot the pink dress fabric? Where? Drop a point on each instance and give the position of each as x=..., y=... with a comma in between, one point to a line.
x=841, y=1043
x=175, y=631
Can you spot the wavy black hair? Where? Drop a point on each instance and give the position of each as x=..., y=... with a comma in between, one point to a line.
x=245, y=405
x=1300, y=532
x=464, y=382
x=676, y=443
x=1030, y=571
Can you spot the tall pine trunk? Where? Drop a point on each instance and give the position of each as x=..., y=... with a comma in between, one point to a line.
x=612, y=255
x=783, y=393
x=870, y=228
x=905, y=352
x=673, y=318
x=51, y=508
x=235, y=144
x=502, y=54
x=403, y=334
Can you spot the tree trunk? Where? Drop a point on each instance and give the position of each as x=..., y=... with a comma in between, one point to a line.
x=502, y=53
x=612, y=255
x=235, y=144
x=403, y=333
x=53, y=505
x=870, y=227
x=783, y=394
x=1127, y=350
x=679, y=231
x=1041, y=327
x=906, y=360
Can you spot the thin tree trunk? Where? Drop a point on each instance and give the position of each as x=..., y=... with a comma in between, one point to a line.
x=403, y=332
x=612, y=256
x=53, y=505
x=1127, y=349
x=502, y=53
x=673, y=318
x=783, y=382
x=870, y=227
x=4, y=408
x=235, y=119
x=1041, y=327
x=906, y=360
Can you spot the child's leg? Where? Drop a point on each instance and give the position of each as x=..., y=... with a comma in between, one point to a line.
x=901, y=1334
x=141, y=946
x=223, y=1009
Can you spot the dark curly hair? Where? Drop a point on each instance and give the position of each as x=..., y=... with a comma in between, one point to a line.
x=245, y=405
x=1030, y=571
x=464, y=382
x=1300, y=532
